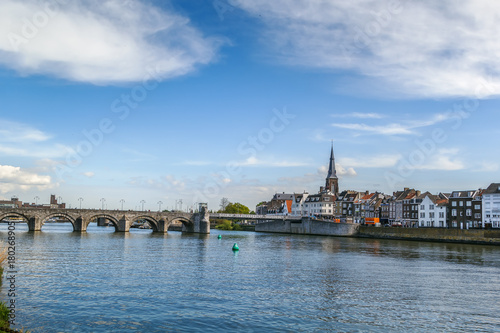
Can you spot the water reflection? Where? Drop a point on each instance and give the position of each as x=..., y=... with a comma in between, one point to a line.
x=150, y=282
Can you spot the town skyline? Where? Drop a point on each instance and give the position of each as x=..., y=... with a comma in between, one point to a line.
x=224, y=99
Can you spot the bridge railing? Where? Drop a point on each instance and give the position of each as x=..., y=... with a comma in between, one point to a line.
x=254, y=216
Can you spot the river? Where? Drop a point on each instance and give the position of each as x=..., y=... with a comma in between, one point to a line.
x=103, y=281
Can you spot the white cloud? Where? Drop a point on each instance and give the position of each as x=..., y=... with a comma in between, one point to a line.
x=15, y=132
x=443, y=159
x=196, y=163
x=380, y=161
x=488, y=167
x=362, y=115
x=14, y=178
x=407, y=128
x=101, y=42
x=253, y=161
x=389, y=129
x=417, y=48
x=88, y=174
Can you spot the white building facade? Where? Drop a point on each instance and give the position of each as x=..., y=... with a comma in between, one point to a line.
x=432, y=212
x=491, y=206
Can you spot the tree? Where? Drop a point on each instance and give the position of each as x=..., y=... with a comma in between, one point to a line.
x=223, y=204
x=236, y=208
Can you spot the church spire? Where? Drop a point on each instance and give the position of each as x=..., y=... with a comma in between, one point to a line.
x=332, y=173
x=332, y=182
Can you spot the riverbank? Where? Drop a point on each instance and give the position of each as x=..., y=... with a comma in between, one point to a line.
x=309, y=227
x=471, y=236
x=324, y=228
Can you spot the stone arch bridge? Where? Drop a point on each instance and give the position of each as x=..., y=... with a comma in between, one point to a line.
x=122, y=220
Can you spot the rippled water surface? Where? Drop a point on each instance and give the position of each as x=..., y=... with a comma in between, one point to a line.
x=103, y=281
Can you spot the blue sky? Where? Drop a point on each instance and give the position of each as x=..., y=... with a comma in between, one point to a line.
x=168, y=100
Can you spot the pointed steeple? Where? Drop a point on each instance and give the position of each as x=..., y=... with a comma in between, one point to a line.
x=332, y=173
x=332, y=182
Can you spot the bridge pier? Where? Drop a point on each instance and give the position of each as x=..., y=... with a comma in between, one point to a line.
x=200, y=225
x=79, y=225
x=101, y=222
x=123, y=225
x=162, y=226
x=34, y=224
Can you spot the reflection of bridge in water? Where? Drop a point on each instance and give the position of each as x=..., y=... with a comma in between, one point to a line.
x=121, y=220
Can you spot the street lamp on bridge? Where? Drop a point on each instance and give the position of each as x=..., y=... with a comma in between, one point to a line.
x=36, y=200
x=103, y=201
x=143, y=202
x=80, y=199
x=159, y=205
x=122, y=201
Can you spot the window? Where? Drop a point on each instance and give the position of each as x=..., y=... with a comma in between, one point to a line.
x=453, y=212
x=468, y=212
x=431, y=207
x=422, y=206
x=477, y=215
x=422, y=215
x=477, y=207
x=441, y=215
x=468, y=203
x=460, y=203
x=431, y=215
x=454, y=203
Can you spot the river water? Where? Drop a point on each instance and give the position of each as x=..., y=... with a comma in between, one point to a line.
x=103, y=281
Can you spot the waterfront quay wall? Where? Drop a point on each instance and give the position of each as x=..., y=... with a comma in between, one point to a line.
x=472, y=236
x=307, y=226
x=316, y=227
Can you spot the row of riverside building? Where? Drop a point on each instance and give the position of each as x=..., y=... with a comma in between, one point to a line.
x=406, y=208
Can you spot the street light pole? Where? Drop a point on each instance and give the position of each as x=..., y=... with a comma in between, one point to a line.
x=143, y=202
x=122, y=201
x=80, y=199
x=159, y=205
x=36, y=200
x=103, y=201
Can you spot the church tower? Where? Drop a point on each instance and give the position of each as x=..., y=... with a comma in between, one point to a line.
x=332, y=182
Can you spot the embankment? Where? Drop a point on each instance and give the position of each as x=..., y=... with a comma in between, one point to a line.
x=472, y=236
x=309, y=227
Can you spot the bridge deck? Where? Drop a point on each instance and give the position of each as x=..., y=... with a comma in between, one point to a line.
x=254, y=216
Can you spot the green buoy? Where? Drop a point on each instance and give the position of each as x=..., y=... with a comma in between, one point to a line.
x=235, y=247
x=219, y=237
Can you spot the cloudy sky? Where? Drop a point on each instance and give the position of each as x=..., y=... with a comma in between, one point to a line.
x=179, y=100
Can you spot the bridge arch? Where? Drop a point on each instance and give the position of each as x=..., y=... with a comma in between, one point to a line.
x=13, y=214
x=152, y=221
x=58, y=214
x=96, y=216
x=187, y=223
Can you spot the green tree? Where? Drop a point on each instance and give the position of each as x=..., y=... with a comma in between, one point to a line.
x=236, y=208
